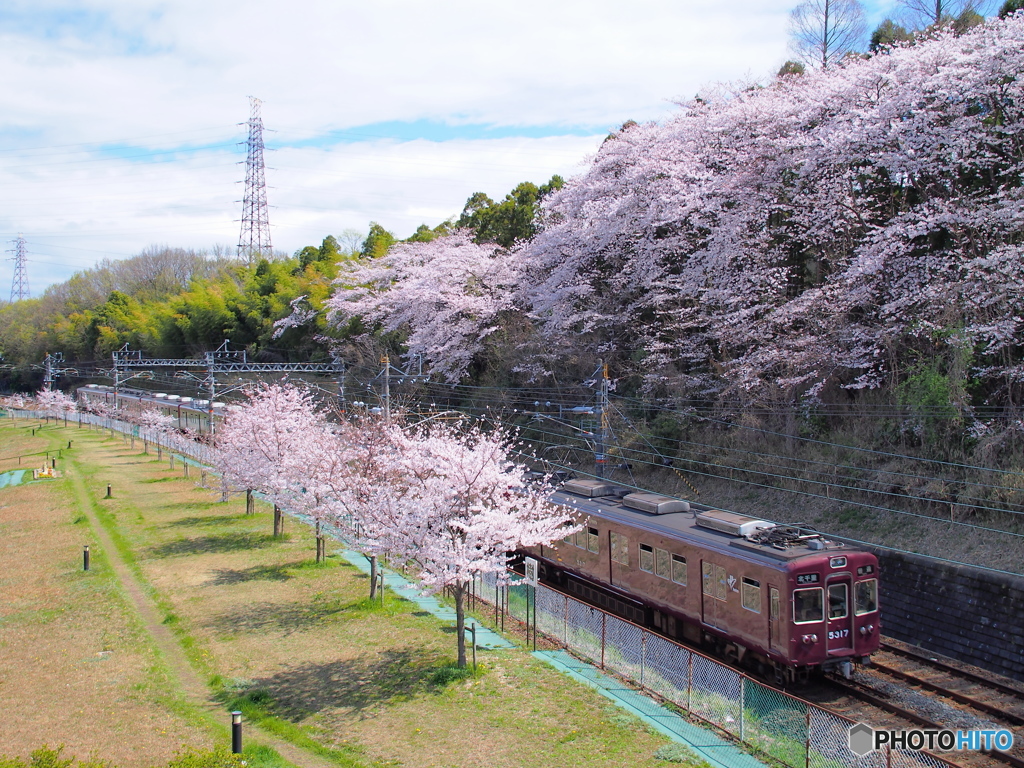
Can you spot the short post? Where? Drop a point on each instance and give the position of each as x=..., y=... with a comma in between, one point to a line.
x=382, y=587
x=184, y=466
x=53, y=463
x=109, y=494
x=236, y=733
x=85, y=558
x=69, y=445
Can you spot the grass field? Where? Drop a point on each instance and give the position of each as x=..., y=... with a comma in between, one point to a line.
x=238, y=619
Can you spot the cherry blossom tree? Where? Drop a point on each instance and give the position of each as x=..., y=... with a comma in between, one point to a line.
x=460, y=505
x=265, y=442
x=16, y=401
x=55, y=403
x=155, y=421
x=447, y=295
x=781, y=242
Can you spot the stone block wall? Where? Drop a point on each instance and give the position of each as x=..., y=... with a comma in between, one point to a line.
x=970, y=614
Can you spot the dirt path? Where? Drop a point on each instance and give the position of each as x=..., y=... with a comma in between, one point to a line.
x=195, y=691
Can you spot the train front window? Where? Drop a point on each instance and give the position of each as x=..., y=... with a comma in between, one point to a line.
x=808, y=605
x=865, y=595
x=838, y=601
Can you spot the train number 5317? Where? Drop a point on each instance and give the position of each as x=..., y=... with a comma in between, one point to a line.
x=839, y=633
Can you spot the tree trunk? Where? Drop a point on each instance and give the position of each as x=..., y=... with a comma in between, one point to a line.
x=459, y=590
x=278, y=522
x=373, y=576
x=250, y=503
x=319, y=543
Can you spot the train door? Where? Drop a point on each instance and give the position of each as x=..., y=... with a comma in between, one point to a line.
x=714, y=590
x=840, y=613
x=774, y=618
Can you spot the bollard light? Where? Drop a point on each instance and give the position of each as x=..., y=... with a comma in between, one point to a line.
x=109, y=494
x=236, y=733
x=85, y=558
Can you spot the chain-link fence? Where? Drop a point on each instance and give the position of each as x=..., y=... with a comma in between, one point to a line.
x=790, y=730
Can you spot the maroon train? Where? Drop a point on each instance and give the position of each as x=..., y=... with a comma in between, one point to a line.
x=773, y=598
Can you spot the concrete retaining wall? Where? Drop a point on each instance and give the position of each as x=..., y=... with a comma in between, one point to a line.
x=969, y=614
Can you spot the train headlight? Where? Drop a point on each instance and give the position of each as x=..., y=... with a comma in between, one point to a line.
x=868, y=629
x=809, y=639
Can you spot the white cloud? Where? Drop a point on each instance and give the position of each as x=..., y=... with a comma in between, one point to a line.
x=173, y=74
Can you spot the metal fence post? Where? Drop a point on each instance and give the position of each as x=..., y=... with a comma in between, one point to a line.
x=534, y=618
x=807, y=740
x=643, y=656
x=565, y=620
x=689, y=680
x=604, y=634
x=743, y=699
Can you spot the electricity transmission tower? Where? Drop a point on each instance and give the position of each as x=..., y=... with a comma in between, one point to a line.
x=19, y=287
x=255, y=235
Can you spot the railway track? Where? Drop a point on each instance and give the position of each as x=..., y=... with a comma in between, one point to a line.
x=907, y=688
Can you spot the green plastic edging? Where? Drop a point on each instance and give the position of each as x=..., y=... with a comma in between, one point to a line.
x=706, y=744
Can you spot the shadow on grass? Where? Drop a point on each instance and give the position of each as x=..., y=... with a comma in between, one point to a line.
x=227, y=542
x=289, y=617
x=297, y=617
x=226, y=576
x=198, y=522
x=352, y=684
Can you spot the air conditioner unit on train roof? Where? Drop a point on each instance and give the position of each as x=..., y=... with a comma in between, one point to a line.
x=654, y=503
x=590, y=488
x=731, y=523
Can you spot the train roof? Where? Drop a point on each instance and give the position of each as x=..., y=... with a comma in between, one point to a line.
x=760, y=540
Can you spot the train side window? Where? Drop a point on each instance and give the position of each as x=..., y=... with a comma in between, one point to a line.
x=707, y=578
x=646, y=558
x=593, y=542
x=620, y=548
x=661, y=566
x=751, y=594
x=838, y=601
x=581, y=538
x=865, y=595
x=808, y=605
x=679, y=569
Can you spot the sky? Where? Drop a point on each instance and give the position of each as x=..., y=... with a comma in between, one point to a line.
x=122, y=122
